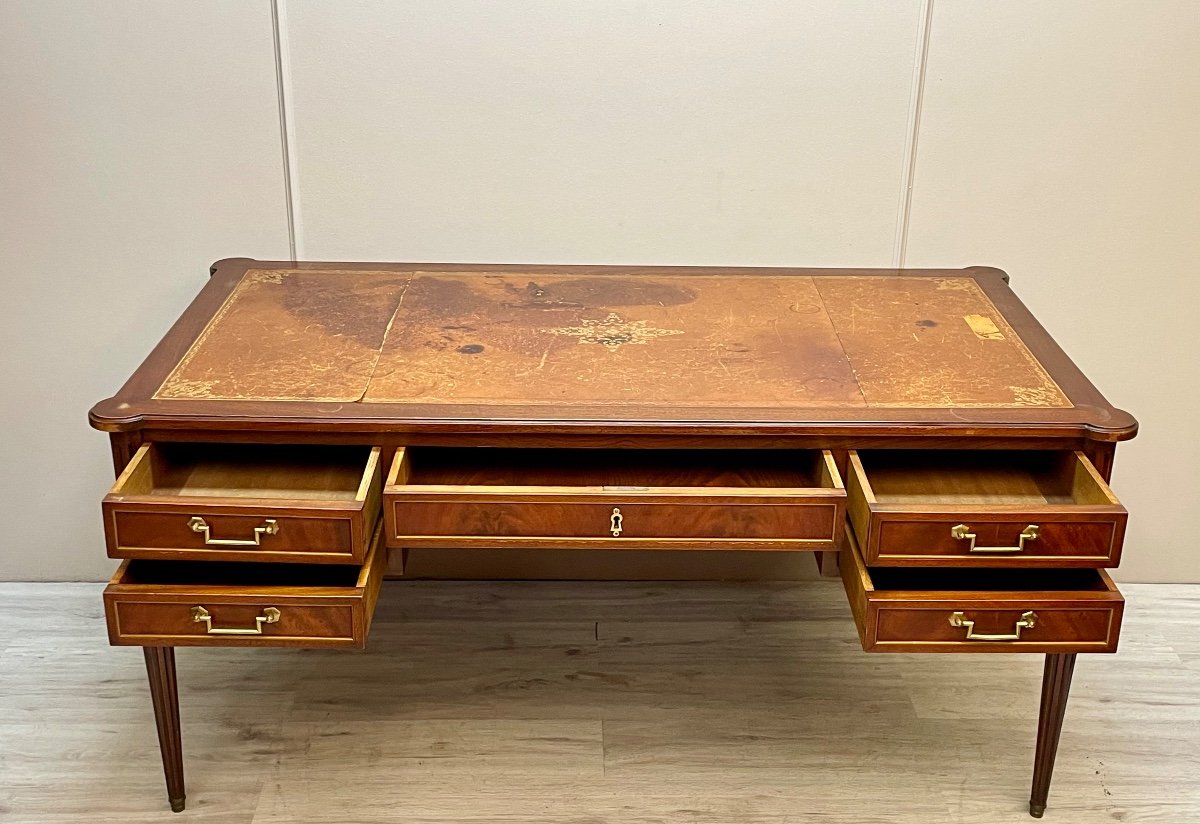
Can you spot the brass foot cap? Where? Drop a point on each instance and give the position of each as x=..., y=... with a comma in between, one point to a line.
x=177, y=804
x=1037, y=810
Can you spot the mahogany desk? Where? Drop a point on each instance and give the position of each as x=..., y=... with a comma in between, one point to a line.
x=916, y=429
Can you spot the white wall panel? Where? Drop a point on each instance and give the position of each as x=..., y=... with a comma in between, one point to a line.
x=575, y=131
x=139, y=141
x=1059, y=141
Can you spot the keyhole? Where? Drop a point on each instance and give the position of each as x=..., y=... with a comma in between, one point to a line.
x=616, y=521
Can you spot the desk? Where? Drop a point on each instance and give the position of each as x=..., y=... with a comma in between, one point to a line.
x=916, y=430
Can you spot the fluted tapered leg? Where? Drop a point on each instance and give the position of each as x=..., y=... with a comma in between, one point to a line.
x=164, y=692
x=1056, y=684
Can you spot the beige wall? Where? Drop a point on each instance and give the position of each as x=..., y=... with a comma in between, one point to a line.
x=631, y=132
x=141, y=141
x=1061, y=142
x=138, y=142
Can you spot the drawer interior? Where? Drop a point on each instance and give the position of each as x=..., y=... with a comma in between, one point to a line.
x=236, y=574
x=1018, y=477
x=970, y=579
x=327, y=473
x=616, y=468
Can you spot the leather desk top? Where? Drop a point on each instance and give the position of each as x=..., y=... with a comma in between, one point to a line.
x=761, y=350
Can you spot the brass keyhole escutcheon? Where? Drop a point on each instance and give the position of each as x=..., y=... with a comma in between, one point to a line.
x=615, y=523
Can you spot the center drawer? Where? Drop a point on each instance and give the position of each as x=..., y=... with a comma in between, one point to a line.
x=782, y=499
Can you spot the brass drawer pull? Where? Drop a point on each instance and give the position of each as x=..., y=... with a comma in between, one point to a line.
x=962, y=532
x=1027, y=621
x=270, y=615
x=615, y=523
x=269, y=527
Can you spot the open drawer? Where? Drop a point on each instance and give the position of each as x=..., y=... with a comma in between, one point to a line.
x=904, y=609
x=983, y=508
x=234, y=502
x=219, y=604
x=612, y=498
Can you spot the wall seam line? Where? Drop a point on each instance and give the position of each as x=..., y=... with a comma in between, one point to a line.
x=916, y=104
x=287, y=136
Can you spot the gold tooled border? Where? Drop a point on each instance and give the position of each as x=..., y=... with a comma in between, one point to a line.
x=253, y=277
x=1048, y=382
x=256, y=276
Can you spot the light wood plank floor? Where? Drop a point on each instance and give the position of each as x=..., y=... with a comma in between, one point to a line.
x=594, y=702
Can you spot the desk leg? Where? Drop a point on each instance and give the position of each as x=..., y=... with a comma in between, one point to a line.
x=164, y=692
x=1056, y=683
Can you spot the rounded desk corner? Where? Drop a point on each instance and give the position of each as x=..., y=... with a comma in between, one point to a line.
x=1115, y=425
x=988, y=271
x=229, y=263
x=113, y=415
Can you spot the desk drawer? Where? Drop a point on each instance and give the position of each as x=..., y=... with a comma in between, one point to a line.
x=981, y=610
x=224, y=604
x=983, y=508
x=635, y=498
x=235, y=502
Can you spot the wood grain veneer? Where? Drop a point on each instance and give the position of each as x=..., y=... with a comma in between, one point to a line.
x=518, y=406
x=909, y=610
x=669, y=499
x=324, y=502
x=905, y=504
x=150, y=602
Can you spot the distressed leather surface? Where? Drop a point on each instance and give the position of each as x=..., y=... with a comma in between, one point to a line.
x=507, y=338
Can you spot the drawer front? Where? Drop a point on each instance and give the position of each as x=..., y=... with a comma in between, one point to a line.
x=931, y=529
x=426, y=521
x=241, y=523
x=266, y=534
x=474, y=511
x=946, y=620
x=184, y=604
x=1085, y=629
x=174, y=622
x=1064, y=540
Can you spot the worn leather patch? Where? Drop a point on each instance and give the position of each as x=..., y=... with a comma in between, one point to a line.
x=610, y=339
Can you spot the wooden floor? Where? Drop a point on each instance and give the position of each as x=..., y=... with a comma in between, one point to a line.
x=595, y=702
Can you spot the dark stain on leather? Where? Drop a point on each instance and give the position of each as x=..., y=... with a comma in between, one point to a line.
x=445, y=297
x=580, y=293
x=360, y=313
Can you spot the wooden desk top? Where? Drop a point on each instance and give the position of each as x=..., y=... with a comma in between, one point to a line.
x=602, y=349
